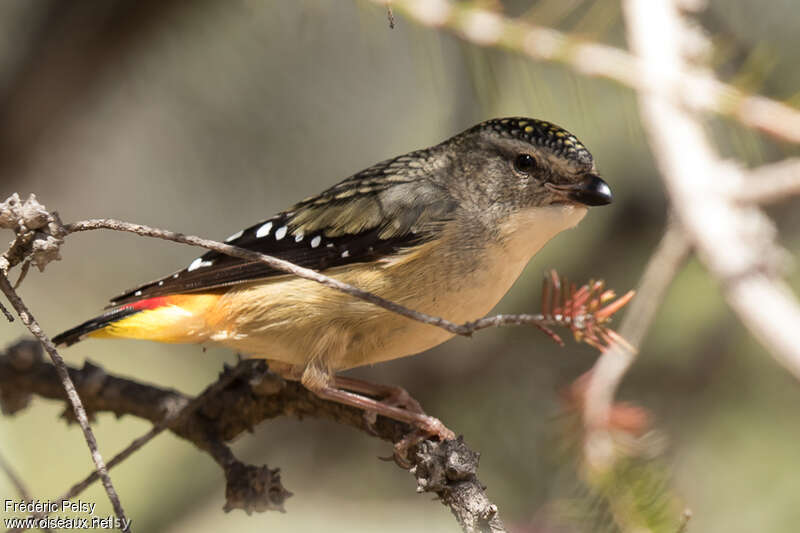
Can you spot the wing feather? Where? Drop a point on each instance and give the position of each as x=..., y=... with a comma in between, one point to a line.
x=364, y=218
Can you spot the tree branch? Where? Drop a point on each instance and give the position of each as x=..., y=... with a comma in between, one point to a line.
x=611, y=366
x=736, y=242
x=703, y=91
x=246, y=396
x=771, y=183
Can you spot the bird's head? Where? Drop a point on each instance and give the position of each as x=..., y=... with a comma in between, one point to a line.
x=516, y=163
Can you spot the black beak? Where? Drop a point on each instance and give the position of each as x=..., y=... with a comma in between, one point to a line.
x=592, y=190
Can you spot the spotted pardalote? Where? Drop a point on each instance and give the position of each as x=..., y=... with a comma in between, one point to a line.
x=444, y=230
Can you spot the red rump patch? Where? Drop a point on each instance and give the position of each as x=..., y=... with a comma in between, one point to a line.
x=149, y=303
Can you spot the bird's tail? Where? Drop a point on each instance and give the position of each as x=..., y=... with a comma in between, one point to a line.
x=173, y=318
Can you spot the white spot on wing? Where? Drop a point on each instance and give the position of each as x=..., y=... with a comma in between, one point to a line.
x=281, y=233
x=195, y=264
x=175, y=275
x=345, y=254
x=264, y=230
x=198, y=263
x=161, y=283
x=315, y=241
x=235, y=236
x=137, y=293
x=298, y=237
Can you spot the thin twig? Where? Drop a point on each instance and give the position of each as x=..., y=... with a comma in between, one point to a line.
x=22, y=490
x=608, y=371
x=23, y=272
x=15, y=480
x=6, y=312
x=686, y=516
x=484, y=27
x=171, y=418
x=69, y=387
x=390, y=14
x=735, y=242
x=771, y=183
x=466, y=329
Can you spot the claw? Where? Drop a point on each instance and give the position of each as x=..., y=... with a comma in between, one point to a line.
x=431, y=427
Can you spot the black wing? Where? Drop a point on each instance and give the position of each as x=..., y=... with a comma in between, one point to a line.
x=370, y=215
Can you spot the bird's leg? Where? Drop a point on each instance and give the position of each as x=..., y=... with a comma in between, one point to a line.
x=427, y=424
x=387, y=394
x=328, y=389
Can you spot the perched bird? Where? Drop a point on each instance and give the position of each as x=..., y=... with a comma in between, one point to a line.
x=444, y=230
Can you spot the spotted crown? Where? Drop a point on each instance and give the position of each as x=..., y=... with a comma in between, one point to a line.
x=542, y=134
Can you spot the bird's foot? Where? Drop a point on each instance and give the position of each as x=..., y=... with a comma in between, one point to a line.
x=429, y=428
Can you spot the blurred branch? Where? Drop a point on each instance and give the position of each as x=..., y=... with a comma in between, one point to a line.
x=19, y=485
x=72, y=395
x=610, y=368
x=15, y=480
x=249, y=395
x=736, y=242
x=703, y=91
x=174, y=414
x=771, y=183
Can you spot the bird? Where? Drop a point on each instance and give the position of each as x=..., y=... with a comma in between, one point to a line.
x=444, y=230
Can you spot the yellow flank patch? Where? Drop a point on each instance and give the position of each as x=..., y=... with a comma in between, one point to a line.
x=181, y=319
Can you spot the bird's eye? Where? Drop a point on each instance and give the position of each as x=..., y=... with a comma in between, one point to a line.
x=525, y=163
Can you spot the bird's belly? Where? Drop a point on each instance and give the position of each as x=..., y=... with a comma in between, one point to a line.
x=366, y=333
x=470, y=298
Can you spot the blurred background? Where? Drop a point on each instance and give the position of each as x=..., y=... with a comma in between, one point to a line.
x=205, y=117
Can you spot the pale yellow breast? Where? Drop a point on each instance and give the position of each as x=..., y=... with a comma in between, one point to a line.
x=291, y=320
